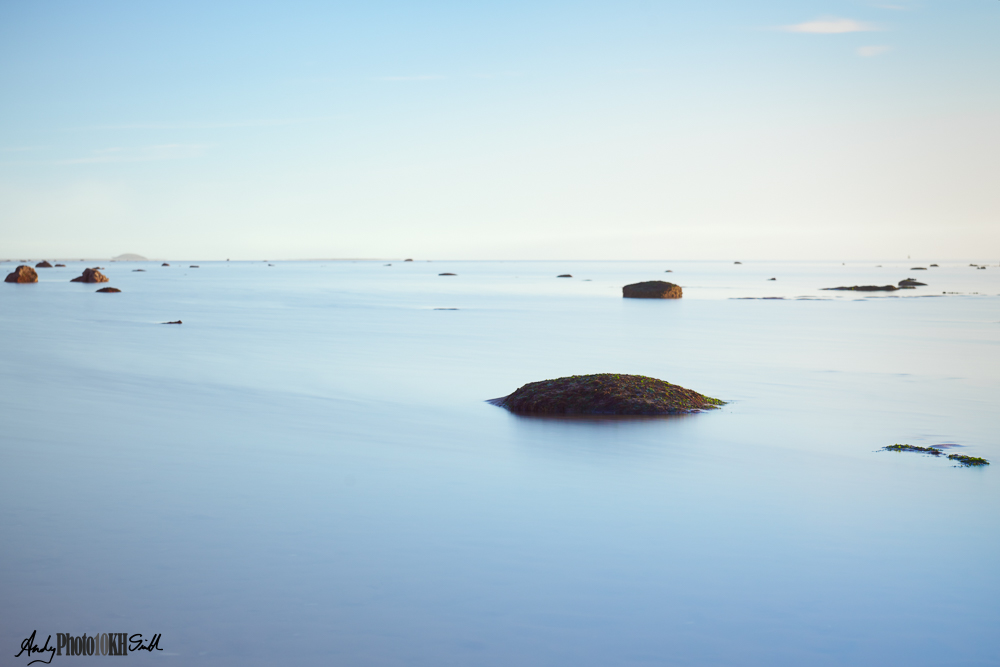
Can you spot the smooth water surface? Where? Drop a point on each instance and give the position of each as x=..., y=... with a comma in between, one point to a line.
x=306, y=470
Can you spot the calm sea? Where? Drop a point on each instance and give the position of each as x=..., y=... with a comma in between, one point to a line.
x=306, y=470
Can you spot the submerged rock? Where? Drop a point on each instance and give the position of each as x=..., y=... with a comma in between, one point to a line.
x=653, y=289
x=866, y=288
x=58, y=265
x=22, y=274
x=606, y=394
x=90, y=276
x=43, y=265
x=164, y=264
x=564, y=275
x=447, y=274
x=108, y=290
x=910, y=282
x=174, y=322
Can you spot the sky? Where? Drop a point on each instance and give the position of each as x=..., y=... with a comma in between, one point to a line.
x=630, y=129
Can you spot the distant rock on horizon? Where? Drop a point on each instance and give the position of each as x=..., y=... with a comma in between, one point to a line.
x=129, y=257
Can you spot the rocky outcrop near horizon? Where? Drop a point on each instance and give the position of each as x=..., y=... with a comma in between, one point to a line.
x=22, y=274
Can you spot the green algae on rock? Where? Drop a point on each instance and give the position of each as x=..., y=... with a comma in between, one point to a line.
x=606, y=394
x=912, y=448
x=964, y=460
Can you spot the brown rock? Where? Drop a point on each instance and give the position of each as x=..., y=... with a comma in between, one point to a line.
x=108, y=290
x=62, y=265
x=90, y=276
x=164, y=264
x=653, y=289
x=22, y=274
x=43, y=265
x=447, y=274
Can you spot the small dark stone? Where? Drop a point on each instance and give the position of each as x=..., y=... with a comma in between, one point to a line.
x=62, y=265
x=108, y=290
x=174, y=322
x=564, y=275
x=910, y=282
x=22, y=274
x=933, y=264
x=447, y=274
x=737, y=262
x=918, y=268
x=772, y=278
x=43, y=265
x=653, y=289
x=90, y=276
x=407, y=260
x=138, y=270
x=164, y=264
x=194, y=266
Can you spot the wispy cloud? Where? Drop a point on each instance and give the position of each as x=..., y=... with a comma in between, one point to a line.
x=139, y=154
x=869, y=51
x=830, y=25
x=417, y=77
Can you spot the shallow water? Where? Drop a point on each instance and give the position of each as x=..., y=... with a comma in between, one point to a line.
x=307, y=469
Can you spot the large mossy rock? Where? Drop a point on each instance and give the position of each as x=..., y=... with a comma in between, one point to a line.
x=22, y=274
x=90, y=276
x=653, y=289
x=606, y=394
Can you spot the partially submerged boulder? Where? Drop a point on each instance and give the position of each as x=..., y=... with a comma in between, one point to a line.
x=910, y=282
x=43, y=265
x=447, y=274
x=606, y=394
x=108, y=290
x=564, y=275
x=866, y=288
x=652, y=289
x=90, y=276
x=22, y=274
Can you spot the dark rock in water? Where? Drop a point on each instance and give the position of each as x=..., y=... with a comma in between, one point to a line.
x=772, y=278
x=62, y=265
x=407, y=260
x=669, y=271
x=90, y=276
x=174, y=322
x=564, y=275
x=737, y=262
x=447, y=274
x=108, y=290
x=912, y=448
x=43, y=265
x=606, y=394
x=164, y=264
x=910, y=282
x=934, y=265
x=653, y=289
x=194, y=266
x=387, y=265
x=918, y=268
x=22, y=274
x=138, y=270
x=866, y=288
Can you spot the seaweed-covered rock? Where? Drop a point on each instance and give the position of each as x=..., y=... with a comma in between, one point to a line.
x=965, y=460
x=109, y=290
x=865, y=288
x=90, y=276
x=22, y=274
x=606, y=394
x=43, y=265
x=652, y=289
x=912, y=448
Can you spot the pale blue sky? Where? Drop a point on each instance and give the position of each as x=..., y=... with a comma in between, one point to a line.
x=604, y=130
